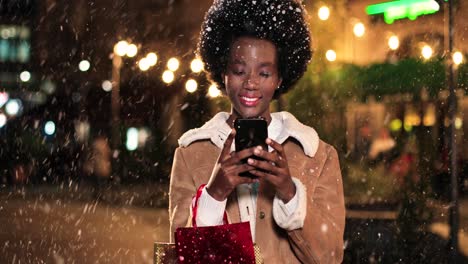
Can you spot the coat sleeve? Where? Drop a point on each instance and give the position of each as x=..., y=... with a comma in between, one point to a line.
x=181, y=191
x=321, y=238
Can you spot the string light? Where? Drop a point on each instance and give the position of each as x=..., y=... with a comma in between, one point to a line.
x=152, y=58
x=213, y=91
x=457, y=58
x=196, y=65
x=330, y=55
x=168, y=76
x=393, y=42
x=121, y=48
x=191, y=85
x=359, y=29
x=324, y=13
x=426, y=52
x=132, y=50
x=173, y=64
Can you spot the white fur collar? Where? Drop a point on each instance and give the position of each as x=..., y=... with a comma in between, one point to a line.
x=283, y=125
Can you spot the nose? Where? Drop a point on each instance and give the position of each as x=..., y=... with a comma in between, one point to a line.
x=251, y=82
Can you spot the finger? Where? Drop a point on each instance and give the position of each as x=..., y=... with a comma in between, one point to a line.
x=268, y=156
x=264, y=165
x=277, y=147
x=273, y=157
x=247, y=180
x=236, y=157
x=267, y=176
x=243, y=168
x=227, y=145
x=236, y=170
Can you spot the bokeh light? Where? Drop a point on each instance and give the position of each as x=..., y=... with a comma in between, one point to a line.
x=213, y=91
x=426, y=52
x=458, y=122
x=191, y=85
x=144, y=64
x=457, y=58
x=49, y=128
x=84, y=65
x=395, y=125
x=132, y=139
x=132, y=50
x=393, y=42
x=330, y=55
x=152, y=58
x=3, y=120
x=107, y=85
x=324, y=13
x=25, y=76
x=173, y=64
x=359, y=29
x=143, y=136
x=121, y=48
x=168, y=76
x=13, y=107
x=3, y=98
x=196, y=65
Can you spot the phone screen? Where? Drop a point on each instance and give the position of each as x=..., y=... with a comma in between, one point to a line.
x=250, y=132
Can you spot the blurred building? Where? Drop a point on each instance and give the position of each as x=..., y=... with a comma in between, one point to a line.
x=55, y=59
x=387, y=36
x=388, y=31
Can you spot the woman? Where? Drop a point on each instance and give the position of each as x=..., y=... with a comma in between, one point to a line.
x=255, y=51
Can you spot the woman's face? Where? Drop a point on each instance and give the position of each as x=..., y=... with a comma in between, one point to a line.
x=251, y=77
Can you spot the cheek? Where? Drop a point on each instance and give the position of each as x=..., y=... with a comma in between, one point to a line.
x=272, y=88
x=232, y=83
x=229, y=88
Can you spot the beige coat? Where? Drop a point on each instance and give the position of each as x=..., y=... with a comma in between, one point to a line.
x=321, y=238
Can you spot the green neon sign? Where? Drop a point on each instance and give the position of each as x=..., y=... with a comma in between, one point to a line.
x=403, y=9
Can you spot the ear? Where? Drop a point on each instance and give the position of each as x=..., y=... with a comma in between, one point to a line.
x=280, y=81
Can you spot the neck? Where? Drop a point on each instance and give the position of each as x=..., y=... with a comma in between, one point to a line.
x=234, y=115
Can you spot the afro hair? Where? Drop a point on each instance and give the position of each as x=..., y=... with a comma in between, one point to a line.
x=280, y=21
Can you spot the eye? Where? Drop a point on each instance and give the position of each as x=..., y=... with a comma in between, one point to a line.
x=238, y=72
x=265, y=74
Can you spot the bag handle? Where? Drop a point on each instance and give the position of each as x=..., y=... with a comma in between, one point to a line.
x=195, y=206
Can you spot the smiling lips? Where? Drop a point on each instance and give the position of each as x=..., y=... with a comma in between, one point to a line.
x=249, y=101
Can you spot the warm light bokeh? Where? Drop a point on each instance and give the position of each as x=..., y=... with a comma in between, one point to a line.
x=173, y=64
x=191, y=85
x=168, y=76
x=393, y=42
x=324, y=13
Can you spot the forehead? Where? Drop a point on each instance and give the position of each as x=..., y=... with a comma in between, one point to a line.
x=253, y=48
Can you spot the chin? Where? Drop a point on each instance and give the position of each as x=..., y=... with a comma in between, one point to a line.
x=250, y=114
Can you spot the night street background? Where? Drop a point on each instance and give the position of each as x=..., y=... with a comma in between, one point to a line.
x=95, y=94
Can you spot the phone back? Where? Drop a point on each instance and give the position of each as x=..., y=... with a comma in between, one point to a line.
x=250, y=132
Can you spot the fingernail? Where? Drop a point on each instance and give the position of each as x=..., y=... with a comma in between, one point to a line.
x=268, y=141
x=250, y=161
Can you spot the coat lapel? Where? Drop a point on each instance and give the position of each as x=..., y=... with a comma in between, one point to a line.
x=232, y=208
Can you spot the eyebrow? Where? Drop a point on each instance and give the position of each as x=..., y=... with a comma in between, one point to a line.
x=238, y=61
x=263, y=64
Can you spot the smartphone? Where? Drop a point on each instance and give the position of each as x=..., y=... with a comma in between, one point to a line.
x=250, y=132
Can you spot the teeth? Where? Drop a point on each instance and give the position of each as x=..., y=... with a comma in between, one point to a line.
x=248, y=99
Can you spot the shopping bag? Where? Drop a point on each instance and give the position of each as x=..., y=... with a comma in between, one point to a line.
x=164, y=253
x=230, y=243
